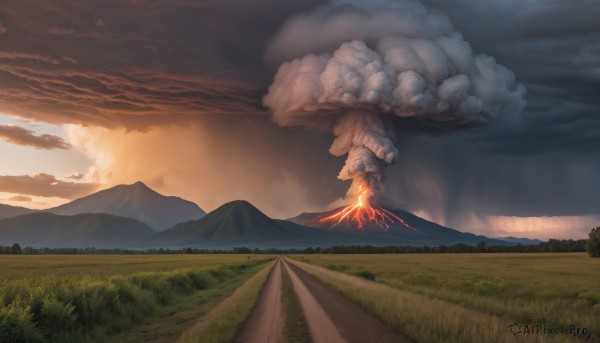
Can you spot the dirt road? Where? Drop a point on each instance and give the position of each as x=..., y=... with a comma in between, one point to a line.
x=352, y=322
x=331, y=318
x=265, y=324
x=322, y=329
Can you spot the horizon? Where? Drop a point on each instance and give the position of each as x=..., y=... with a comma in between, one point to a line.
x=201, y=103
x=318, y=213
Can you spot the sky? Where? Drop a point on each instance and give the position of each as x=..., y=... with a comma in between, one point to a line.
x=99, y=93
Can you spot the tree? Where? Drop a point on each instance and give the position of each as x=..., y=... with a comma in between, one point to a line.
x=593, y=244
x=15, y=249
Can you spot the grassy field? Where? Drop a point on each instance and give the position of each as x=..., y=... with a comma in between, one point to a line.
x=90, y=298
x=13, y=267
x=548, y=289
x=222, y=323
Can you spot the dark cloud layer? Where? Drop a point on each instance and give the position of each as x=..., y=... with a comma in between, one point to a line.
x=44, y=185
x=142, y=63
x=135, y=64
x=22, y=136
x=553, y=48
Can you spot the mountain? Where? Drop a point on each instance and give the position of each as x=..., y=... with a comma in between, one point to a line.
x=523, y=241
x=136, y=201
x=419, y=231
x=82, y=230
x=7, y=211
x=239, y=223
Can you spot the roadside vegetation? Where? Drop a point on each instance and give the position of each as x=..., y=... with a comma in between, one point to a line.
x=223, y=323
x=593, y=244
x=89, y=299
x=468, y=298
x=296, y=328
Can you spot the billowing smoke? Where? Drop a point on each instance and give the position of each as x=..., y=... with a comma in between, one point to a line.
x=348, y=70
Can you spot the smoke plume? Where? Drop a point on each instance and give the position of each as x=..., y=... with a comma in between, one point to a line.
x=348, y=70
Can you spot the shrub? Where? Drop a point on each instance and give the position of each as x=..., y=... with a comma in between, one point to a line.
x=16, y=325
x=86, y=309
x=365, y=275
x=593, y=244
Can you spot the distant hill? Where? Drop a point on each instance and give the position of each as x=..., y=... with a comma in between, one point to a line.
x=421, y=231
x=7, y=211
x=136, y=201
x=239, y=223
x=82, y=230
x=523, y=241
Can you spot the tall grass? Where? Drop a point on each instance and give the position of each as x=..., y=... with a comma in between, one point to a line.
x=89, y=308
x=14, y=267
x=296, y=328
x=222, y=323
x=550, y=289
x=421, y=318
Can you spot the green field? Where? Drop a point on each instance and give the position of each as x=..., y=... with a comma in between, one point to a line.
x=547, y=289
x=91, y=298
x=13, y=267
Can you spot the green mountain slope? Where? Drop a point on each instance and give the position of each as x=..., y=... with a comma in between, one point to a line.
x=82, y=230
x=136, y=201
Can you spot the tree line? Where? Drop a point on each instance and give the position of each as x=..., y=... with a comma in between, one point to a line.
x=553, y=245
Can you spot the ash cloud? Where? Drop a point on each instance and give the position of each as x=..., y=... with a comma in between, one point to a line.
x=557, y=138
x=397, y=60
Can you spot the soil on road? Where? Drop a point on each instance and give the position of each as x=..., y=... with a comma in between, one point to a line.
x=322, y=329
x=330, y=317
x=265, y=324
x=352, y=322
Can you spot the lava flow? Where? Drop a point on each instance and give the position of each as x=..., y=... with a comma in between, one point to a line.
x=362, y=212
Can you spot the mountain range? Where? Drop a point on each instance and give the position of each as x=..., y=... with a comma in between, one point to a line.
x=413, y=230
x=43, y=229
x=239, y=223
x=136, y=201
x=129, y=216
x=7, y=211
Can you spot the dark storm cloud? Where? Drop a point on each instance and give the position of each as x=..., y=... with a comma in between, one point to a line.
x=141, y=63
x=546, y=163
x=553, y=48
x=452, y=178
x=22, y=136
x=135, y=63
x=44, y=185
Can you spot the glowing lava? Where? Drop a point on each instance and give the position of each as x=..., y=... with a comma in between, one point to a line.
x=362, y=212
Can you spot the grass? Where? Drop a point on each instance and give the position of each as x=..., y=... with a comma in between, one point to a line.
x=222, y=323
x=170, y=321
x=550, y=289
x=94, y=305
x=295, y=327
x=14, y=267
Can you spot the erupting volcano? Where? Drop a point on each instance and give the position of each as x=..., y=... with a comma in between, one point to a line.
x=363, y=211
x=402, y=60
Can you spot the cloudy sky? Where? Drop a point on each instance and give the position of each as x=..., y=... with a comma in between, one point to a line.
x=99, y=93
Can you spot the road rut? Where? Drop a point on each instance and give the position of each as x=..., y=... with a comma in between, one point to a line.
x=265, y=324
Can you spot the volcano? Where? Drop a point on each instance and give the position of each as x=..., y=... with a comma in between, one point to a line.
x=406, y=229
x=239, y=223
